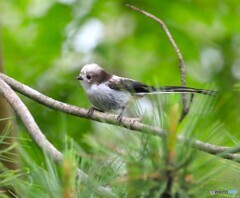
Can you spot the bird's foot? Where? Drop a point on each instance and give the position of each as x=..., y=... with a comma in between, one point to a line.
x=119, y=118
x=91, y=110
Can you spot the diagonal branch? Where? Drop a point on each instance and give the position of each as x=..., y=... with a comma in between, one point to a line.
x=128, y=123
x=132, y=124
x=36, y=134
x=180, y=57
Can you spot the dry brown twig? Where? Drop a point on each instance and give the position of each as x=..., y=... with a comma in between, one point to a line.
x=186, y=107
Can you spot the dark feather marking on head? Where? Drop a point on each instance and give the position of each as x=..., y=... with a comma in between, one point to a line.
x=100, y=76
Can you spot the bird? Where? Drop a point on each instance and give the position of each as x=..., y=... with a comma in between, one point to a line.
x=111, y=93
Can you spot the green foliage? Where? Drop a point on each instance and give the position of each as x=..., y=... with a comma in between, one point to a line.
x=43, y=48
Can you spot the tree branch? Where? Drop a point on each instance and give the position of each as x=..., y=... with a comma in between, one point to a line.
x=129, y=123
x=36, y=134
x=180, y=57
x=6, y=112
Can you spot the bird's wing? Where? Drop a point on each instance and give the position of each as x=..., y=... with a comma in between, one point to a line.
x=140, y=89
x=130, y=85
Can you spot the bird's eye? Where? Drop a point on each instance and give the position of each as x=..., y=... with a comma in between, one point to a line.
x=88, y=77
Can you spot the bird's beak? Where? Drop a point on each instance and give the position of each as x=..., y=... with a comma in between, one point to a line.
x=79, y=78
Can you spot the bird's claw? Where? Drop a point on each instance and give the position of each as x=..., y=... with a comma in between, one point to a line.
x=119, y=118
x=90, y=111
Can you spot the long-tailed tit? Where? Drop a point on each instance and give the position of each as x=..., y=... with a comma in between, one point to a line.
x=111, y=93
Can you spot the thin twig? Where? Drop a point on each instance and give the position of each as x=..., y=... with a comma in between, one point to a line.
x=36, y=134
x=129, y=123
x=185, y=112
x=180, y=57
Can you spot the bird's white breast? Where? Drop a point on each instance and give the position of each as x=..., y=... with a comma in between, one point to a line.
x=105, y=98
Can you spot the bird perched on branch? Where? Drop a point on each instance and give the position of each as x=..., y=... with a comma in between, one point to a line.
x=111, y=93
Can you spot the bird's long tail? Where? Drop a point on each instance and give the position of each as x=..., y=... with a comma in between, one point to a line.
x=179, y=89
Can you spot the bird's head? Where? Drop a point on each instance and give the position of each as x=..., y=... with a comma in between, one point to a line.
x=92, y=74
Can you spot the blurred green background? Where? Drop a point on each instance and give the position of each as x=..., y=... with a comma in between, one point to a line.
x=46, y=42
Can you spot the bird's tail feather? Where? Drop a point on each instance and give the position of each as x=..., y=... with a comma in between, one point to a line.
x=178, y=89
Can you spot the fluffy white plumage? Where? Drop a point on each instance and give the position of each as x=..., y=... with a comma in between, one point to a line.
x=99, y=93
x=107, y=99
x=112, y=93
